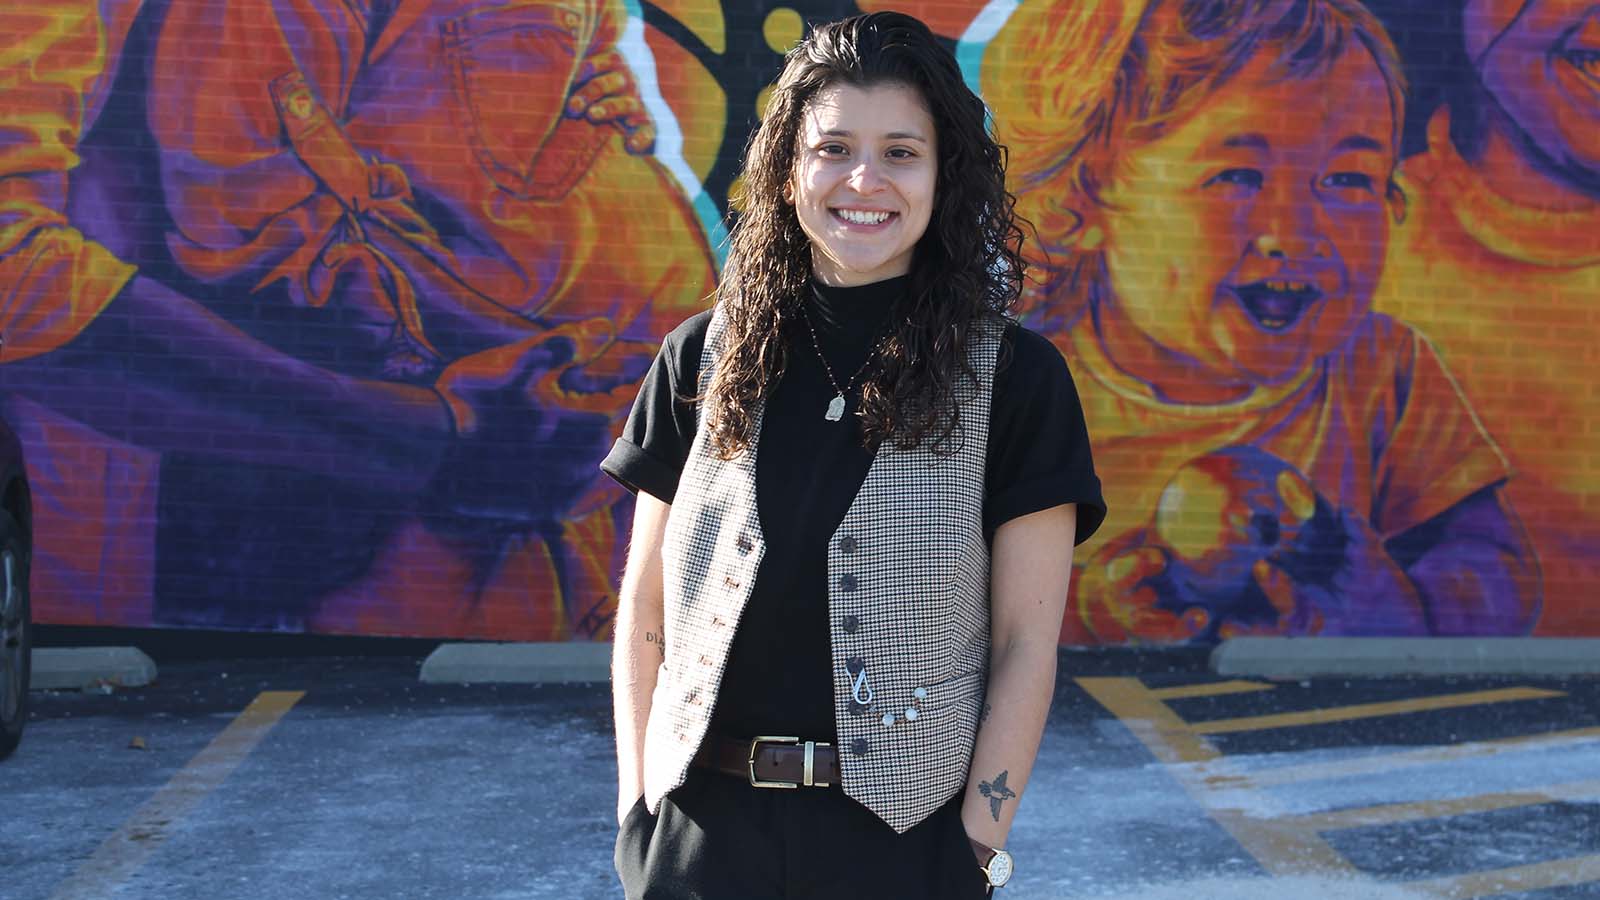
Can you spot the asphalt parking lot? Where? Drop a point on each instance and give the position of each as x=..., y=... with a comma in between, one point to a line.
x=348, y=778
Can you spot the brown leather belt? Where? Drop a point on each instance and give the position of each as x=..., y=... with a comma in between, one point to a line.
x=772, y=762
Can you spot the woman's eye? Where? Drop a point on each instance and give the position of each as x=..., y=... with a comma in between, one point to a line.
x=1349, y=181
x=901, y=153
x=832, y=150
x=1250, y=178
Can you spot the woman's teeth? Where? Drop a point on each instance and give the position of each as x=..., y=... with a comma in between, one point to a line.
x=860, y=217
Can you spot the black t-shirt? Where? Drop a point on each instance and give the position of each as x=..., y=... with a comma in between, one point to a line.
x=808, y=471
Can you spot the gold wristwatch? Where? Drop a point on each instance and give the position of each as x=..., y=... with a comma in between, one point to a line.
x=995, y=864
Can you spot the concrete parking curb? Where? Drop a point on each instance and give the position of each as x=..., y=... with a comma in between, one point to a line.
x=77, y=668
x=522, y=663
x=1275, y=657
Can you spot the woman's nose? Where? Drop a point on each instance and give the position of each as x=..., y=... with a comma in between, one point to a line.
x=866, y=178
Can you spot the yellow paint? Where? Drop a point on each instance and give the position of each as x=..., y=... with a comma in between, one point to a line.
x=761, y=101
x=1194, y=515
x=696, y=98
x=1281, y=849
x=138, y=839
x=1396, y=813
x=1298, y=496
x=1157, y=727
x=1212, y=689
x=1293, y=845
x=783, y=29
x=736, y=194
x=1429, y=756
x=703, y=18
x=1370, y=710
x=1516, y=880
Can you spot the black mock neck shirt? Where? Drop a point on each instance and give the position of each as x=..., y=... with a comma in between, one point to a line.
x=808, y=471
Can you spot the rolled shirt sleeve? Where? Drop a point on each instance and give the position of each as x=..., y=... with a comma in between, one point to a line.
x=654, y=446
x=1039, y=452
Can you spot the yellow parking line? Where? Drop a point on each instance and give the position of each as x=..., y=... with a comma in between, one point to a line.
x=1394, y=813
x=139, y=837
x=1516, y=880
x=1369, y=710
x=1282, y=849
x=1213, y=689
x=1428, y=756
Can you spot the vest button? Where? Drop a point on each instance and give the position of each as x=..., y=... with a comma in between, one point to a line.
x=859, y=746
x=847, y=583
x=851, y=624
x=854, y=665
x=858, y=708
x=847, y=544
x=744, y=544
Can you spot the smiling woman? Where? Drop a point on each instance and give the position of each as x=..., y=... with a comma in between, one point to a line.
x=885, y=585
x=864, y=181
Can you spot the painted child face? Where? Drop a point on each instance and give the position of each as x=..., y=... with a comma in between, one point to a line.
x=1540, y=60
x=1248, y=238
x=863, y=184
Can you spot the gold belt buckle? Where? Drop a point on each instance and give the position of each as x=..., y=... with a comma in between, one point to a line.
x=807, y=776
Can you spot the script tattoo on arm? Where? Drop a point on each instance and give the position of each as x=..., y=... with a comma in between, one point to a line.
x=650, y=637
x=997, y=792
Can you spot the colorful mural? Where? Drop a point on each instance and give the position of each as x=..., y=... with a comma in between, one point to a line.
x=319, y=315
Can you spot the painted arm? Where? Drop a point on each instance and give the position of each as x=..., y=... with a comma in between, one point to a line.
x=53, y=280
x=1466, y=571
x=1474, y=568
x=1030, y=572
x=87, y=336
x=1279, y=558
x=638, y=647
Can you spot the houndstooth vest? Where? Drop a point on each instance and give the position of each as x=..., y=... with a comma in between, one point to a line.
x=908, y=608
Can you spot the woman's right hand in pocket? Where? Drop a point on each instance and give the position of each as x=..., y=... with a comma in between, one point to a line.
x=625, y=806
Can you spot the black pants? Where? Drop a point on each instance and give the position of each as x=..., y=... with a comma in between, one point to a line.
x=718, y=838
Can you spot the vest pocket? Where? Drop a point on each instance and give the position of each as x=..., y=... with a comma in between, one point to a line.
x=956, y=696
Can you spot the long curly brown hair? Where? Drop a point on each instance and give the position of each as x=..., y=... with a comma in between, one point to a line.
x=966, y=269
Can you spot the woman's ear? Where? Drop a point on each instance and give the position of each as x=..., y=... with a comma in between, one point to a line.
x=788, y=191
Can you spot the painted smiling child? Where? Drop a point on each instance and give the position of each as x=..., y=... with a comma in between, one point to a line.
x=1213, y=194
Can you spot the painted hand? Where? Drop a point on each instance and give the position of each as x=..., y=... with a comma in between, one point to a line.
x=1241, y=543
x=533, y=419
x=1342, y=583
x=606, y=93
x=1126, y=593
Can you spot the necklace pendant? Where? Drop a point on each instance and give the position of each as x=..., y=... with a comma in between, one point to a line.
x=836, y=408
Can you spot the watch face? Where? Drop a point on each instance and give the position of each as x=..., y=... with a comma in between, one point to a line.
x=1000, y=868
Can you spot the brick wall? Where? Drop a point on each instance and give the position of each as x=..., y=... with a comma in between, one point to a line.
x=323, y=324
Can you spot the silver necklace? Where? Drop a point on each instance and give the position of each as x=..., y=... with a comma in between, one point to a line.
x=836, y=405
